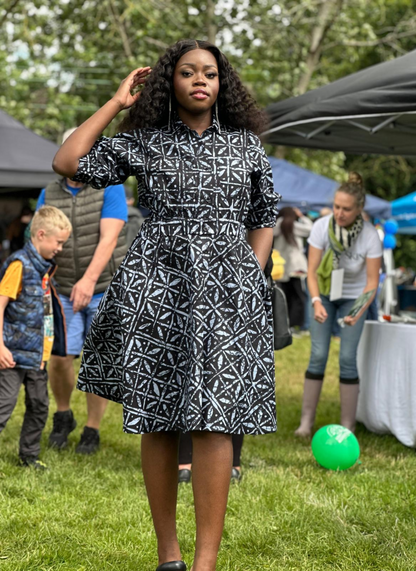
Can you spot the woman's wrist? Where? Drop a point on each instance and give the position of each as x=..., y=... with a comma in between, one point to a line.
x=315, y=299
x=118, y=106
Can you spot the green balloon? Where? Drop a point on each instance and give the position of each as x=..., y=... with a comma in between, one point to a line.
x=335, y=447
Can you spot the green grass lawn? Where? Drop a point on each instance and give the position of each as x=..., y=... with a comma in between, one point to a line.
x=91, y=513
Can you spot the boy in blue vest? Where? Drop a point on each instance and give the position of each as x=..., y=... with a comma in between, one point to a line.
x=31, y=327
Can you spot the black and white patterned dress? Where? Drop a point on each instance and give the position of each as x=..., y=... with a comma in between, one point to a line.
x=183, y=335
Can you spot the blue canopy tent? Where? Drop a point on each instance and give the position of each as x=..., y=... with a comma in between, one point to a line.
x=404, y=212
x=309, y=191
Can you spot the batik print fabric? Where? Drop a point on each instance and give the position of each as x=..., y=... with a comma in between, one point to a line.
x=183, y=335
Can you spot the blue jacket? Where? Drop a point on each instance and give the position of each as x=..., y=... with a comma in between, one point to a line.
x=23, y=330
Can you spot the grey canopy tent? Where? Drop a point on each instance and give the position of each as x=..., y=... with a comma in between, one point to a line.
x=372, y=111
x=25, y=158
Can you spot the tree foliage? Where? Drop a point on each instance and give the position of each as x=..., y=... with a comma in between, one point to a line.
x=60, y=60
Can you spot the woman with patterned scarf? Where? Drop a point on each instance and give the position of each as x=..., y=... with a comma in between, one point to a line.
x=340, y=241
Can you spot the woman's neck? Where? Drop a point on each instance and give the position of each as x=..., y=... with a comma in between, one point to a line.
x=198, y=123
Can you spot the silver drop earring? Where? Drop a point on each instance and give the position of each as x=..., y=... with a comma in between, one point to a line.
x=170, y=112
x=217, y=116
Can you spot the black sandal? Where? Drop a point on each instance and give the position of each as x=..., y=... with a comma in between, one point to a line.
x=184, y=476
x=172, y=566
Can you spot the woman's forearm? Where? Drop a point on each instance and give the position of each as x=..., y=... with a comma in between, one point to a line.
x=81, y=141
x=314, y=259
x=313, y=284
x=373, y=276
x=261, y=241
x=370, y=286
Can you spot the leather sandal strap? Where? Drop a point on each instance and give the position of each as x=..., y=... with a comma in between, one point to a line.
x=172, y=566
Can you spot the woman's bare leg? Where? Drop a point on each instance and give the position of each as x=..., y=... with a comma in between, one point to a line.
x=159, y=451
x=211, y=472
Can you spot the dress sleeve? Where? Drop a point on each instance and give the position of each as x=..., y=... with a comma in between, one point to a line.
x=111, y=161
x=263, y=204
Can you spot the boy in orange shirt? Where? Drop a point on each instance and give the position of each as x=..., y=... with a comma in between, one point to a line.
x=31, y=327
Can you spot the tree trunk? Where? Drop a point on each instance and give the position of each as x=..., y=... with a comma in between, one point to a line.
x=327, y=14
x=210, y=21
x=112, y=8
x=8, y=11
x=279, y=152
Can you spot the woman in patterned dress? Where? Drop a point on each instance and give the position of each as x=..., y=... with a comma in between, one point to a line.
x=183, y=335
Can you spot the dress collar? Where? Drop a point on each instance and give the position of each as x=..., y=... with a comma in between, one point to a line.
x=177, y=124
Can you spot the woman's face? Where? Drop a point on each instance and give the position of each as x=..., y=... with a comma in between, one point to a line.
x=345, y=209
x=196, y=81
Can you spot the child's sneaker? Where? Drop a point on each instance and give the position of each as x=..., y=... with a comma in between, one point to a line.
x=90, y=441
x=63, y=424
x=33, y=462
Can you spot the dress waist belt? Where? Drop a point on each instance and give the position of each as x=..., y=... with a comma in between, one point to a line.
x=188, y=227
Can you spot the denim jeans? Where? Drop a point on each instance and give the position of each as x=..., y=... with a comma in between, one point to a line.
x=321, y=338
x=78, y=324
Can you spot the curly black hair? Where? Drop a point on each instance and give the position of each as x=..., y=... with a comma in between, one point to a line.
x=236, y=107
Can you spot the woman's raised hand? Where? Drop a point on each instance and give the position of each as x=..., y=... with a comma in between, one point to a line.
x=123, y=96
x=81, y=141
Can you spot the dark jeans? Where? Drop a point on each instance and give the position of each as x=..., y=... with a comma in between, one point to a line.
x=37, y=405
x=185, y=448
x=308, y=308
x=296, y=298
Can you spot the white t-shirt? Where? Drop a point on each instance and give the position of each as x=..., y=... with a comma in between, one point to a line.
x=367, y=245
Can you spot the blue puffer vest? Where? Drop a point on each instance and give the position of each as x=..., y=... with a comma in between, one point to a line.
x=24, y=317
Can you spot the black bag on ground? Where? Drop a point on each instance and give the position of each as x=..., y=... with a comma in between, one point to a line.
x=281, y=326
